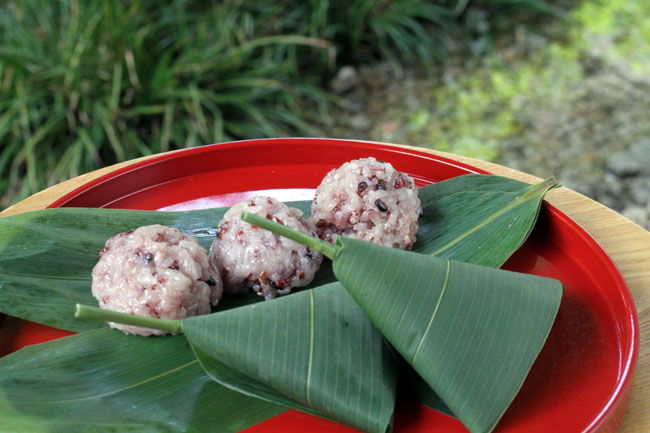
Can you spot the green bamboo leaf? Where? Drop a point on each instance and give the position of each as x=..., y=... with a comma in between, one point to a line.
x=477, y=218
x=302, y=352
x=471, y=332
x=64, y=244
x=105, y=381
x=46, y=256
x=299, y=351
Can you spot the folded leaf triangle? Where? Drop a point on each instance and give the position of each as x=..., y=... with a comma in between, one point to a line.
x=471, y=332
x=314, y=351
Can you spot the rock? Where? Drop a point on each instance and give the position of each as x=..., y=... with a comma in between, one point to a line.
x=622, y=165
x=639, y=190
x=345, y=79
x=360, y=122
x=612, y=184
x=632, y=161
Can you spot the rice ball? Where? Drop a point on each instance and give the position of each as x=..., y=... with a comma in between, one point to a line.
x=368, y=200
x=250, y=257
x=155, y=271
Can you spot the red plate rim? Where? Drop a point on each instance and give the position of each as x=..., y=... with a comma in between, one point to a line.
x=615, y=408
x=66, y=199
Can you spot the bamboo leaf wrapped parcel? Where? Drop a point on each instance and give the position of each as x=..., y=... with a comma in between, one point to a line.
x=471, y=332
x=299, y=351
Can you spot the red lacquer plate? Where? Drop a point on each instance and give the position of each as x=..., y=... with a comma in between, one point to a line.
x=581, y=380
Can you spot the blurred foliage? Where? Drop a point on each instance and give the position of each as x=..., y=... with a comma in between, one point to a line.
x=619, y=30
x=477, y=112
x=480, y=105
x=86, y=84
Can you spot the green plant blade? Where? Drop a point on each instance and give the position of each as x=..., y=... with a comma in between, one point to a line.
x=302, y=351
x=46, y=256
x=471, y=332
x=105, y=381
x=63, y=243
x=477, y=218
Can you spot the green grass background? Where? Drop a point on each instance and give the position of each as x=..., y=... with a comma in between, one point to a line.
x=84, y=84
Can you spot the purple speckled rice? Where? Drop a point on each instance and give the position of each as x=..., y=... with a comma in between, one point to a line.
x=368, y=200
x=155, y=271
x=249, y=257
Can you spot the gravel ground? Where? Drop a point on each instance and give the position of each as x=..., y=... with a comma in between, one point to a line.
x=593, y=134
x=599, y=145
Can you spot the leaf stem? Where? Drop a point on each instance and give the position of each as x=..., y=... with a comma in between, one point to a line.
x=325, y=248
x=87, y=312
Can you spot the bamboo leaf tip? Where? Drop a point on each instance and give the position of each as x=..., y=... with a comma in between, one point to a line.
x=552, y=182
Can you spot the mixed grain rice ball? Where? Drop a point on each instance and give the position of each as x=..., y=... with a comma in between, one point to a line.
x=155, y=271
x=368, y=200
x=250, y=257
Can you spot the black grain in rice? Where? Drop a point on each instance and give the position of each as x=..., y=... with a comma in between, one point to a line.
x=362, y=186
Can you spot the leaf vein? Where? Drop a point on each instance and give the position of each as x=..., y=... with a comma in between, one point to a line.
x=435, y=312
x=311, y=348
x=47, y=277
x=106, y=394
x=530, y=194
